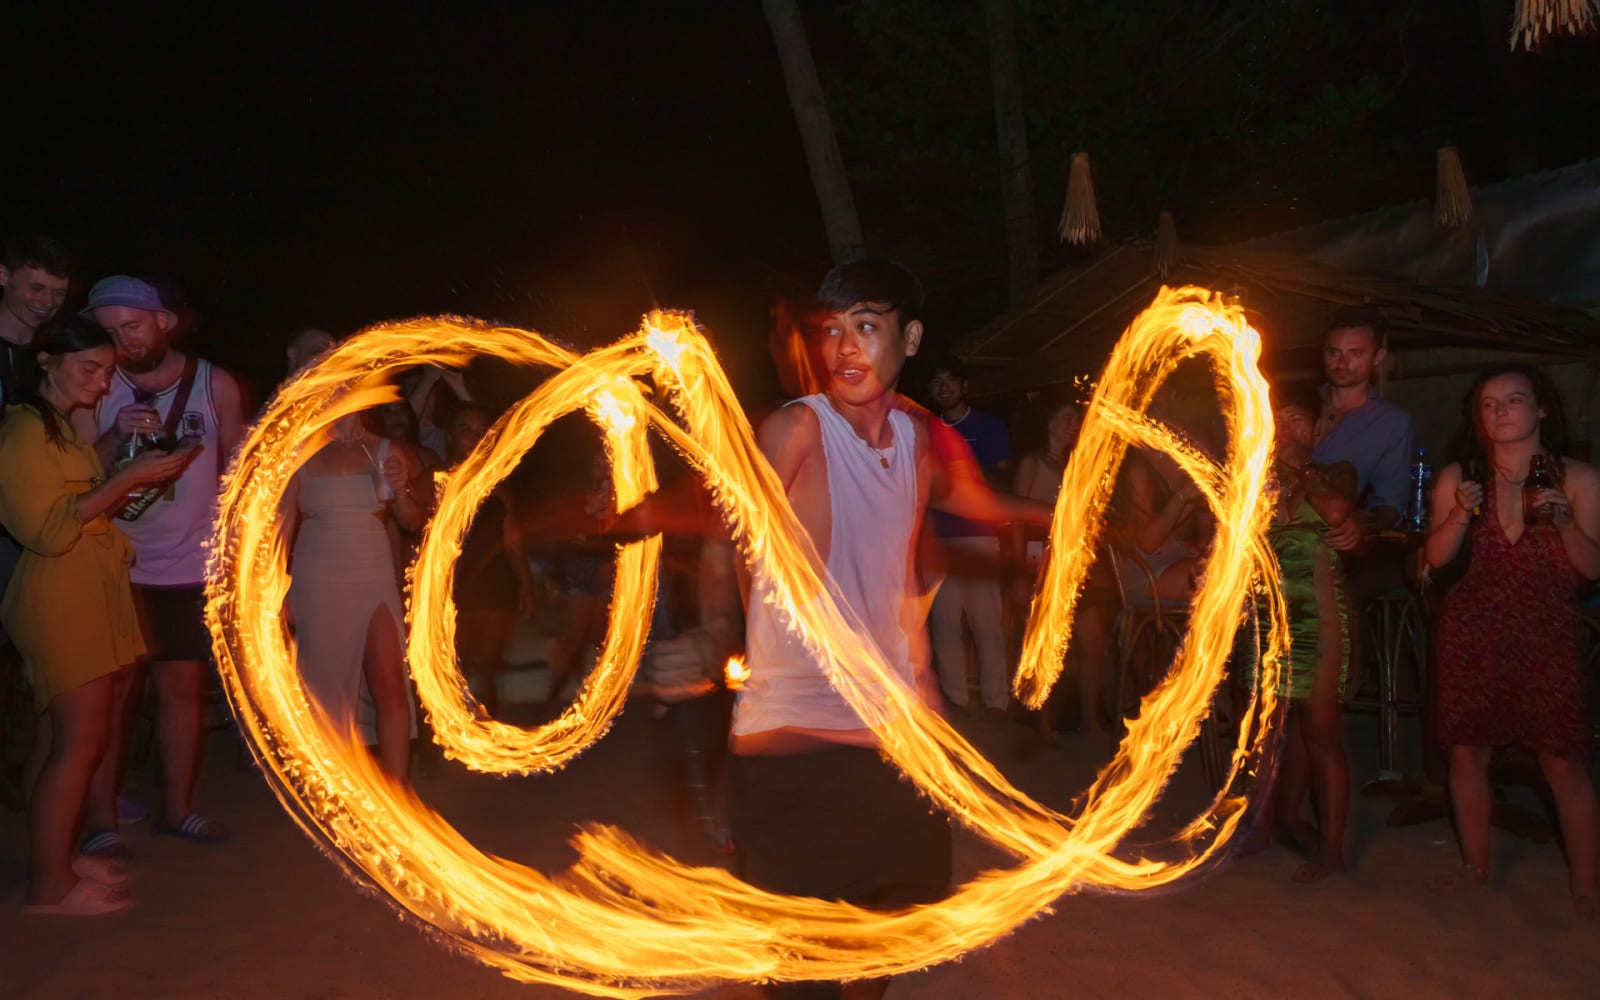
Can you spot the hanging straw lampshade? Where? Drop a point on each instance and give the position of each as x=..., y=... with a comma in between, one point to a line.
x=1452, y=202
x=1167, y=248
x=1080, y=219
x=1534, y=19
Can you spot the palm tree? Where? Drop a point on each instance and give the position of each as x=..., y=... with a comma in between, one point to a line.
x=816, y=131
x=1011, y=130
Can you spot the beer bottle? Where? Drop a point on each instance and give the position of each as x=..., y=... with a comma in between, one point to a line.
x=140, y=501
x=1540, y=478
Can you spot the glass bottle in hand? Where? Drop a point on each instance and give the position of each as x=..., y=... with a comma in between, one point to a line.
x=139, y=442
x=1540, y=478
x=138, y=502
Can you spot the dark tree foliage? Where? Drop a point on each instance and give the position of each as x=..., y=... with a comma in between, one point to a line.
x=1243, y=117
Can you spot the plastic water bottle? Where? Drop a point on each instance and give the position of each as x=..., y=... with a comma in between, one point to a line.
x=1421, y=486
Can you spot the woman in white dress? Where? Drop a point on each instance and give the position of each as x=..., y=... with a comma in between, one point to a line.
x=344, y=595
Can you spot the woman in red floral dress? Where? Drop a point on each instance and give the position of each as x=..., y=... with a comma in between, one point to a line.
x=1509, y=647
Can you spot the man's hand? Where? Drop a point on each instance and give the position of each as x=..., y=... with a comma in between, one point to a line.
x=138, y=418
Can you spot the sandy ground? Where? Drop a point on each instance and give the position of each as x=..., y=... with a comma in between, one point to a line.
x=268, y=916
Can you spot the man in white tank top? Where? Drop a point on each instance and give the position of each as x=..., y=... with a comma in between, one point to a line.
x=815, y=809
x=154, y=388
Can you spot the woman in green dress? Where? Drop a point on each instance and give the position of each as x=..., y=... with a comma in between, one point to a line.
x=1311, y=498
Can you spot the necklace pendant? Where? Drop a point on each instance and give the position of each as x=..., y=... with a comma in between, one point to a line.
x=884, y=460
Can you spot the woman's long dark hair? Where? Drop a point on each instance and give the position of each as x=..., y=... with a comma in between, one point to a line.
x=1470, y=449
x=59, y=337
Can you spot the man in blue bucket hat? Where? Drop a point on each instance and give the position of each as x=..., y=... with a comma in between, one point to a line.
x=161, y=391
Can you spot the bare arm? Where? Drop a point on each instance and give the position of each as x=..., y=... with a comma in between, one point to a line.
x=228, y=401
x=958, y=486
x=789, y=438
x=1155, y=525
x=150, y=469
x=418, y=397
x=403, y=469
x=1450, y=515
x=1578, y=521
x=1331, y=491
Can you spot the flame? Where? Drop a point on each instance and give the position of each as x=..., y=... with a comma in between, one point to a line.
x=626, y=921
x=735, y=672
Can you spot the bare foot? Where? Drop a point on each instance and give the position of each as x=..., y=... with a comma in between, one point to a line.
x=1465, y=877
x=1316, y=870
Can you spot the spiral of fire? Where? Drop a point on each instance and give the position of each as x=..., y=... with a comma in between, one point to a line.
x=627, y=921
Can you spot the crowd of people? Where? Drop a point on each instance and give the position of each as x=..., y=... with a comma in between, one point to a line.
x=114, y=439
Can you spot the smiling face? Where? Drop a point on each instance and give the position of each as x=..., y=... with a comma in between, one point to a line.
x=143, y=337
x=863, y=349
x=77, y=379
x=31, y=295
x=947, y=390
x=1508, y=410
x=1295, y=428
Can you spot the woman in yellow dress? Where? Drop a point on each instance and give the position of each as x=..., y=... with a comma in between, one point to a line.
x=69, y=609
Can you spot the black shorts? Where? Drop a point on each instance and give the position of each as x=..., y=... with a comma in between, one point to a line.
x=838, y=824
x=174, y=621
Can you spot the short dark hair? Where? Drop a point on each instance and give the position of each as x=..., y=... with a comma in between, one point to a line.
x=872, y=280
x=1359, y=318
x=46, y=254
x=947, y=363
x=1302, y=395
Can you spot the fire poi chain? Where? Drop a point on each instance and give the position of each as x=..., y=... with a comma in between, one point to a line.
x=627, y=921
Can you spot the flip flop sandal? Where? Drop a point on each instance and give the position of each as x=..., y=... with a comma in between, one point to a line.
x=86, y=899
x=98, y=868
x=107, y=844
x=196, y=829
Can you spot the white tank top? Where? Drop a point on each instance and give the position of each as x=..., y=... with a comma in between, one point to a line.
x=874, y=511
x=169, y=538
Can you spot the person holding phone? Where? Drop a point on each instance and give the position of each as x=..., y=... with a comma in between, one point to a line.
x=69, y=609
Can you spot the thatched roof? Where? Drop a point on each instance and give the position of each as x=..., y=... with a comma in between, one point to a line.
x=1068, y=325
x=1536, y=236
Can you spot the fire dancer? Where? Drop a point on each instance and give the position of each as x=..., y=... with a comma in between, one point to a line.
x=815, y=809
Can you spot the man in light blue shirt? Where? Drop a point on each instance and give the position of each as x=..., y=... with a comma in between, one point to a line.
x=1359, y=427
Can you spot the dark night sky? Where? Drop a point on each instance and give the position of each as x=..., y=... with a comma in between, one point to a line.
x=557, y=165
x=561, y=165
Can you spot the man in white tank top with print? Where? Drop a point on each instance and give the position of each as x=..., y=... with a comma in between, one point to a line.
x=152, y=380
x=815, y=809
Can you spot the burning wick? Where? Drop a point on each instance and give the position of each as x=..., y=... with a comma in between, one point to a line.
x=735, y=672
